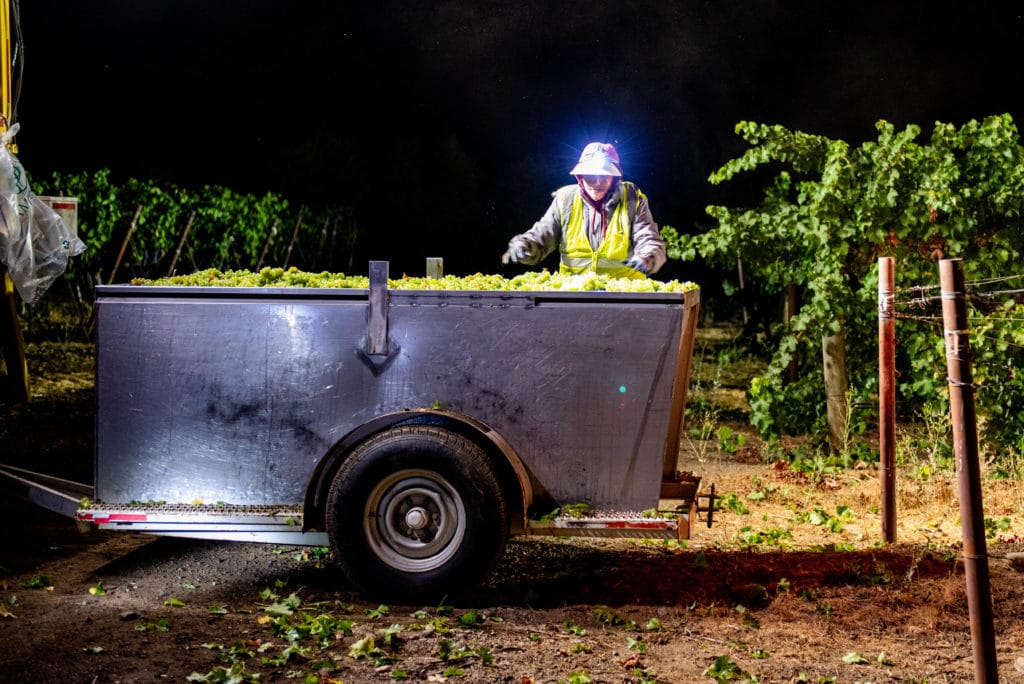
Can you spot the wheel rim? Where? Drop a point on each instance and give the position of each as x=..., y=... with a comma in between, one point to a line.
x=415, y=520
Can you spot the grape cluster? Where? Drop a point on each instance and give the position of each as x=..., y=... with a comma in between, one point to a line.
x=542, y=280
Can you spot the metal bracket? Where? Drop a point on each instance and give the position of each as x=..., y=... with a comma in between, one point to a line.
x=377, y=311
x=377, y=351
x=708, y=507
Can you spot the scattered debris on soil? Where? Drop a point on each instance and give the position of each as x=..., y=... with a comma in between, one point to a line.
x=791, y=584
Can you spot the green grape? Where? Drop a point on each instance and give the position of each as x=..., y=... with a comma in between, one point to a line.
x=542, y=280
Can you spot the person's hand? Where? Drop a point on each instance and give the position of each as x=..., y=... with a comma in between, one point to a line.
x=639, y=263
x=518, y=250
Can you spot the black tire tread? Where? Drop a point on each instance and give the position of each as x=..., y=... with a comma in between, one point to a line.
x=489, y=529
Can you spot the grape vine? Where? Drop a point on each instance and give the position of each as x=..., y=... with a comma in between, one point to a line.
x=830, y=211
x=213, y=226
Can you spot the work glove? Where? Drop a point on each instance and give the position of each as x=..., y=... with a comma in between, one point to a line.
x=518, y=251
x=639, y=263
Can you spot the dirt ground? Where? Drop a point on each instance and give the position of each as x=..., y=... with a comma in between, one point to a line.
x=764, y=595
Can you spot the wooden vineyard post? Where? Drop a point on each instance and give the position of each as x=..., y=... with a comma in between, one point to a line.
x=833, y=355
x=181, y=243
x=887, y=397
x=266, y=246
x=295, y=236
x=315, y=261
x=739, y=275
x=968, y=470
x=124, y=245
x=792, y=371
x=330, y=248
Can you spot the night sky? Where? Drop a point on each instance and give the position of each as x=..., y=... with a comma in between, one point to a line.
x=446, y=125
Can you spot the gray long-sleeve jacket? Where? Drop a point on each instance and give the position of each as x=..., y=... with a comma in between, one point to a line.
x=545, y=236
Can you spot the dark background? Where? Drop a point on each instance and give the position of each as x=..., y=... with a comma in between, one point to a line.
x=446, y=125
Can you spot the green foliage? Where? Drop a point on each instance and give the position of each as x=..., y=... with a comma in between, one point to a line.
x=608, y=616
x=365, y=648
x=378, y=612
x=993, y=526
x=471, y=618
x=729, y=441
x=723, y=669
x=574, y=629
x=162, y=625
x=578, y=678
x=748, y=536
x=829, y=211
x=236, y=673
x=38, y=582
x=216, y=227
x=636, y=644
x=832, y=522
x=749, y=620
x=732, y=502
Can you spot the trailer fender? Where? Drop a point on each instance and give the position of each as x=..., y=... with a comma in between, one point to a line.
x=496, y=446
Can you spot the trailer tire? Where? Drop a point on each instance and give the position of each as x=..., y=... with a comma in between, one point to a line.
x=416, y=513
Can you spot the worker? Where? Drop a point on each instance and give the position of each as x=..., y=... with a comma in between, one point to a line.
x=601, y=224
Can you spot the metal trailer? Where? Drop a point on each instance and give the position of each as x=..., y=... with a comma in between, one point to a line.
x=411, y=431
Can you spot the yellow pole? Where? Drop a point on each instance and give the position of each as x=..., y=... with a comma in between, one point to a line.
x=12, y=345
x=5, y=62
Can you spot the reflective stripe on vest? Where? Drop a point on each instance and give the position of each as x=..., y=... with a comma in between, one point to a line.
x=610, y=258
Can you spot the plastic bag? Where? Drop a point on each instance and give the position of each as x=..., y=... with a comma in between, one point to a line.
x=35, y=243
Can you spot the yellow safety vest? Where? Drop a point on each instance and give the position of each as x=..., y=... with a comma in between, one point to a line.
x=610, y=258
